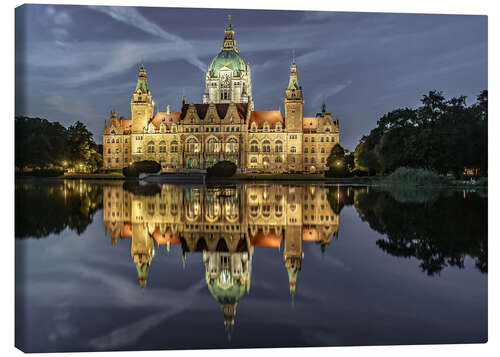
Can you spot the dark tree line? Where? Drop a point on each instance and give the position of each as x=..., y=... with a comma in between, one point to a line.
x=445, y=136
x=41, y=144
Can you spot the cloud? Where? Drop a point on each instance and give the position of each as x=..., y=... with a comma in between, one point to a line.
x=58, y=17
x=131, y=16
x=330, y=91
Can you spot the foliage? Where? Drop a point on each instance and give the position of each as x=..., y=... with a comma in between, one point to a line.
x=337, y=163
x=445, y=136
x=416, y=177
x=222, y=169
x=47, y=172
x=43, y=144
x=146, y=166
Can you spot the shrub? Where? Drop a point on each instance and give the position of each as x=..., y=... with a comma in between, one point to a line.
x=222, y=169
x=359, y=173
x=47, y=172
x=147, y=166
x=410, y=176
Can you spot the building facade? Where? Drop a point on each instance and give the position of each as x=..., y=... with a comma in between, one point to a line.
x=224, y=126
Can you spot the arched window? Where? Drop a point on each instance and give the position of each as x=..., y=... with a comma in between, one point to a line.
x=322, y=150
x=109, y=151
x=113, y=140
x=266, y=146
x=254, y=146
x=278, y=159
x=213, y=145
x=139, y=149
x=312, y=151
x=327, y=139
x=118, y=140
x=126, y=150
x=312, y=160
x=278, y=146
x=151, y=147
x=174, y=146
x=305, y=160
x=193, y=146
x=253, y=160
x=232, y=145
x=293, y=149
x=163, y=146
x=117, y=150
x=108, y=141
x=306, y=150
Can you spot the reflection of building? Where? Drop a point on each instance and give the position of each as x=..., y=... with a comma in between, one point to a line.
x=224, y=127
x=224, y=224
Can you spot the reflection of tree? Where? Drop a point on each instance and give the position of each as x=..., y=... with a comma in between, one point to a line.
x=438, y=233
x=340, y=196
x=44, y=208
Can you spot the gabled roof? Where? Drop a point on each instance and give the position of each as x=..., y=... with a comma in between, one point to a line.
x=202, y=109
x=167, y=119
x=266, y=116
x=309, y=124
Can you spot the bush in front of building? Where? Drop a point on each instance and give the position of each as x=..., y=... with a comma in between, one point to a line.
x=222, y=169
x=146, y=166
x=47, y=172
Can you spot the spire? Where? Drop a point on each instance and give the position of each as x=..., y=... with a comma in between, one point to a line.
x=142, y=81
x=229, y=43
x=229, y=26
x=168, y=109
x=293, y=57
x=323, y=109
x=142, y=273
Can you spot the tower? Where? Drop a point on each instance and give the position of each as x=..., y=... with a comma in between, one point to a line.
x=141, y=104
x=294, y=102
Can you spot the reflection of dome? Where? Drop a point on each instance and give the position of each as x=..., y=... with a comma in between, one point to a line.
x=230, y=59
x=230, y=295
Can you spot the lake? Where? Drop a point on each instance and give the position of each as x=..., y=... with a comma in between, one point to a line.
x=117, y=266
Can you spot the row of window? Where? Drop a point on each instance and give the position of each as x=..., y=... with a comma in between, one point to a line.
x=212, y=129
x=306, y=150
x=322, y=139
x=313, y=160
x=117, y=150
x=112, y=141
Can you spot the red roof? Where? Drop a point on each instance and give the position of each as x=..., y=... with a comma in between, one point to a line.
x=266, y=116
x=167, y=119
x=266, y=240
x=309, y=123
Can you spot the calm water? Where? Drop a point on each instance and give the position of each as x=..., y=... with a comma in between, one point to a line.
x=108, y=266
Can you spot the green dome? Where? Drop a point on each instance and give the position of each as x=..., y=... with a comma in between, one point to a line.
x=230, y=59
x=226, y=296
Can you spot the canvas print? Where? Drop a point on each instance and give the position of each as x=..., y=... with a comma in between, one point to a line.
x=192, y=178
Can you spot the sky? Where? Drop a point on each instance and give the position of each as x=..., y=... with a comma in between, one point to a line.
x=80, y=62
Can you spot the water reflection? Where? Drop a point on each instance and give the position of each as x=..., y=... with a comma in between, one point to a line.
x=228, y=228
x=224, y=224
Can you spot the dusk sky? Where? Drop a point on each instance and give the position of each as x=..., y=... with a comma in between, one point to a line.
x=79, y=62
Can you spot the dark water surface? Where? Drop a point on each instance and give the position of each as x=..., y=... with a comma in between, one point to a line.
x=107, y=266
